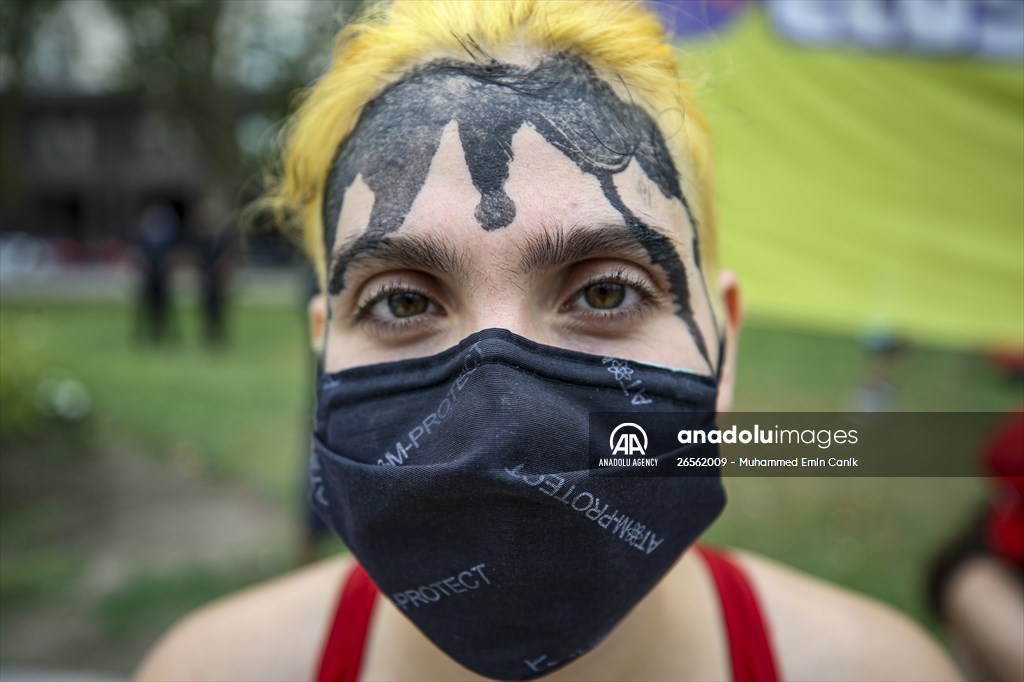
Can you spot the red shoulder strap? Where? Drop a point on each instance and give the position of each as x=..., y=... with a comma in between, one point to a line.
x=749, y=648
x=343, y=651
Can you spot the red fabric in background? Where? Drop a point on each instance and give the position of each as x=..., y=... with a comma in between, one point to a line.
x=1004, y=460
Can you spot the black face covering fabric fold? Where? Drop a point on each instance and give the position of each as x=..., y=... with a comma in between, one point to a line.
x=460, y=482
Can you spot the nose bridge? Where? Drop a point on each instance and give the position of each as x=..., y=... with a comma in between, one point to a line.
x=501, y=297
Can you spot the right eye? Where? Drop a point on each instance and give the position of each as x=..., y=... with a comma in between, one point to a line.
x=397, y=304
x=401, y=305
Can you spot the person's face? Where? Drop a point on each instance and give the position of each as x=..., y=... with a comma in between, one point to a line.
x=576, y=263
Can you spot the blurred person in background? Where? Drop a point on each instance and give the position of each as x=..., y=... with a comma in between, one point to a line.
x=510, y=209
x=976, y=586
x=879, y=385
x=211, y=242
x=159, y=227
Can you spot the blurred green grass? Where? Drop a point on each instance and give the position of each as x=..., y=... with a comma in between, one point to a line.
x=242, y=414
x=241, y=411
x=149, y=597
x=788, y=370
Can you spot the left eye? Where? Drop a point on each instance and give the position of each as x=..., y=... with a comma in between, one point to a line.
x=610, y=295
x=605, y=295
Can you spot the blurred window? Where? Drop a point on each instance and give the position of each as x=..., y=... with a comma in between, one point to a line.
x=65, y=139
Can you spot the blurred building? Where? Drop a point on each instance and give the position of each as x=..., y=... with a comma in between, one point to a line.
x=85, y=164
x=109, y=106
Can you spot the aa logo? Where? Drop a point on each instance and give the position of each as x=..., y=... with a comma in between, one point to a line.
x=628, y=439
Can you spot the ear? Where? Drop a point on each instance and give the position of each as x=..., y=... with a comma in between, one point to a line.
x=729, y=290
x=317, y=310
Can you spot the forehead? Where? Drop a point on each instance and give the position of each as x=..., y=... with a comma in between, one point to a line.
x=560, y=97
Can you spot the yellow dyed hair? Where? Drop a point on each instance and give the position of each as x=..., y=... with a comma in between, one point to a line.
x=622, y=41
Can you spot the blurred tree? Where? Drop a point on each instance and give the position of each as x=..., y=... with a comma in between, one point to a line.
x=19, y=23
x=215, y=76
x=171, y=60
x=218, y=73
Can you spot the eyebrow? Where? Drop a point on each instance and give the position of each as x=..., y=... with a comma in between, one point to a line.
x=537, y=252
x=566, y=245
x=433, y=252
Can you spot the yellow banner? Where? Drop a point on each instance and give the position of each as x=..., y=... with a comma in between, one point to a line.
x=864, y=189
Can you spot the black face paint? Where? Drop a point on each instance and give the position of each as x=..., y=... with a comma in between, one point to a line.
x=561, y=97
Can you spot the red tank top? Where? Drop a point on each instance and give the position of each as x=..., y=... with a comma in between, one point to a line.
x=750, y=652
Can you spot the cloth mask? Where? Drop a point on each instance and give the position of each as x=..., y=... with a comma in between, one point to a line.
x=461, y=484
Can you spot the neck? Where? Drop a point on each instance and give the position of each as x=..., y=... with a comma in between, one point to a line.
x=672, y=633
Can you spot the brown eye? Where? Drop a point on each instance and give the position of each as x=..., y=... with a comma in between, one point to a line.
x=605, y=295
x=408, y=304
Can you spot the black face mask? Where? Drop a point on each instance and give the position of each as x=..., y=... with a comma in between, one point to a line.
x=461, y=484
